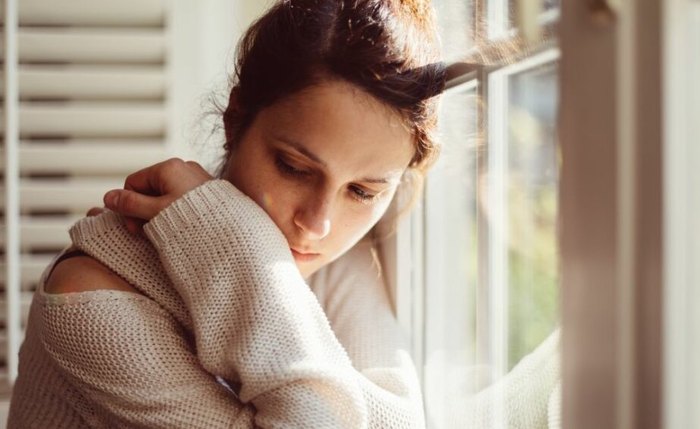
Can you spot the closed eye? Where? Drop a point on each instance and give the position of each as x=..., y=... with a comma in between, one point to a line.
x=362, y=195
x=288, y=169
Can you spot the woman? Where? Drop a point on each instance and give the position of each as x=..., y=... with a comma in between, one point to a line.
x=207, y=320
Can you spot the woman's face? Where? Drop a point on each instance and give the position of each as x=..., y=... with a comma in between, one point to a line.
x=324, y=164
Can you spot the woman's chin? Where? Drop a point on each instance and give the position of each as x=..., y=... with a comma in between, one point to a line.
x=307, y=269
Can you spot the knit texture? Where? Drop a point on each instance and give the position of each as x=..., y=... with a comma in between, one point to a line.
x=225, y=333
x=525, y=398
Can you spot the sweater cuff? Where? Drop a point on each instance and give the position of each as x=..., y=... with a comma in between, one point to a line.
x=190, y=207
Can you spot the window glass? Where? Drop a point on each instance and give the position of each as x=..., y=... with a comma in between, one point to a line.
x=532, y=210
x=451, y=229
x=487, y=268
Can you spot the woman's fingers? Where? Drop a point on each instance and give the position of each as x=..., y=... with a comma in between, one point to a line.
x=148, y=191
x=149, y=180
x=172, y=177
x=95, y=211
x=134, y=225
x=134, y=204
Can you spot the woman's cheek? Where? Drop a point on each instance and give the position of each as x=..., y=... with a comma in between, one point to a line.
x=274, y=194
x=364, y=219
x=379, y=209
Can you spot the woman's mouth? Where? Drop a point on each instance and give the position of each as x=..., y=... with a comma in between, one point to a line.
x=303, y=257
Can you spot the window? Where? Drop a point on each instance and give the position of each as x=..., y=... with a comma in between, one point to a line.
x=493, y=209
x=485, y=253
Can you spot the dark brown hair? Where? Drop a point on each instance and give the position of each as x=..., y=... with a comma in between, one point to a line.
x=388, y=48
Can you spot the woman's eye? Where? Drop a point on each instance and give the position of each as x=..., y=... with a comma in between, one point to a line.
x=288, y=169
x=362, y=195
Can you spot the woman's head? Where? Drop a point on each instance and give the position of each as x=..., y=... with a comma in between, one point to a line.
x=350, y=82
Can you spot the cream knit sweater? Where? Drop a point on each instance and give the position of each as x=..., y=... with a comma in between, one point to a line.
x=225, y=332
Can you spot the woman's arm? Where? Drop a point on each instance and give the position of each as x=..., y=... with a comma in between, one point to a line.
x=256, y=321
x=526, y=397
x=352, y=292
x=130, y=360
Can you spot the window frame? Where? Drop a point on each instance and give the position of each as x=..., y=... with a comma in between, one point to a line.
x=611, y=257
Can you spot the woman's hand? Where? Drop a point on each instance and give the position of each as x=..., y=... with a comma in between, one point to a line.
x=95, y=211
x=152, y=189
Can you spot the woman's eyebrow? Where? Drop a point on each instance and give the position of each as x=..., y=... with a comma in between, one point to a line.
x=312, y=156
x=304, y=151
x=379, y=180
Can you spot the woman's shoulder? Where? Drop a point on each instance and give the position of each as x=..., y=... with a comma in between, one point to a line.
x=83, y=273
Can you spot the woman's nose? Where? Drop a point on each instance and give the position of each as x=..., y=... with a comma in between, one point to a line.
x=314, y=220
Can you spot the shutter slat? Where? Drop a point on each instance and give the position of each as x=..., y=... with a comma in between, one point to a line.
x=84, y=157
x=93, y=12
x=90, y=82
x=85, y=119
x=44, y=232
x=73, y=195
x=24, y=311
x=95, y=92
x=32, y=268
x=67, y=45
x=49, y=233
x=5, y=388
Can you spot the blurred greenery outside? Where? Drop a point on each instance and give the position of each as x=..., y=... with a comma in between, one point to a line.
x=532, y=201
x=533, y=306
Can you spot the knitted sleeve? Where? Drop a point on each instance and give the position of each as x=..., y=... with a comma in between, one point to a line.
x=155, y=381
x=525, y=397
x=257, y=323
x=355, y=299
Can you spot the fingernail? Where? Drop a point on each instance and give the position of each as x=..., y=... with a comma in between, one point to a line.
x=112, y=198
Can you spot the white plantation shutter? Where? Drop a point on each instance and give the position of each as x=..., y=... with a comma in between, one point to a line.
x=92, y=104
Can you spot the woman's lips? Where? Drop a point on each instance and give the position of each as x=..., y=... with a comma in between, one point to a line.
x=304, y=257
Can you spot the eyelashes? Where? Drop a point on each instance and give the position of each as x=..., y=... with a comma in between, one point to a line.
x=362, y=195
x=289, y=170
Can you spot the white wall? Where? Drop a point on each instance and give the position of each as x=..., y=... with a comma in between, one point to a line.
x=682, y=211
x=205, y=34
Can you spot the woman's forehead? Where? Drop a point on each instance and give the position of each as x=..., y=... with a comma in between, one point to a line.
x=339, y=116
x=341, y=131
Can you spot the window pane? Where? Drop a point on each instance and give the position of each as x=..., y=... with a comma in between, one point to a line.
x=491, y=257
x=451, y=362
x=532, y=210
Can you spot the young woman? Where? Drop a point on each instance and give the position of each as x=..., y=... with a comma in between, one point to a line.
x=252, y=298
